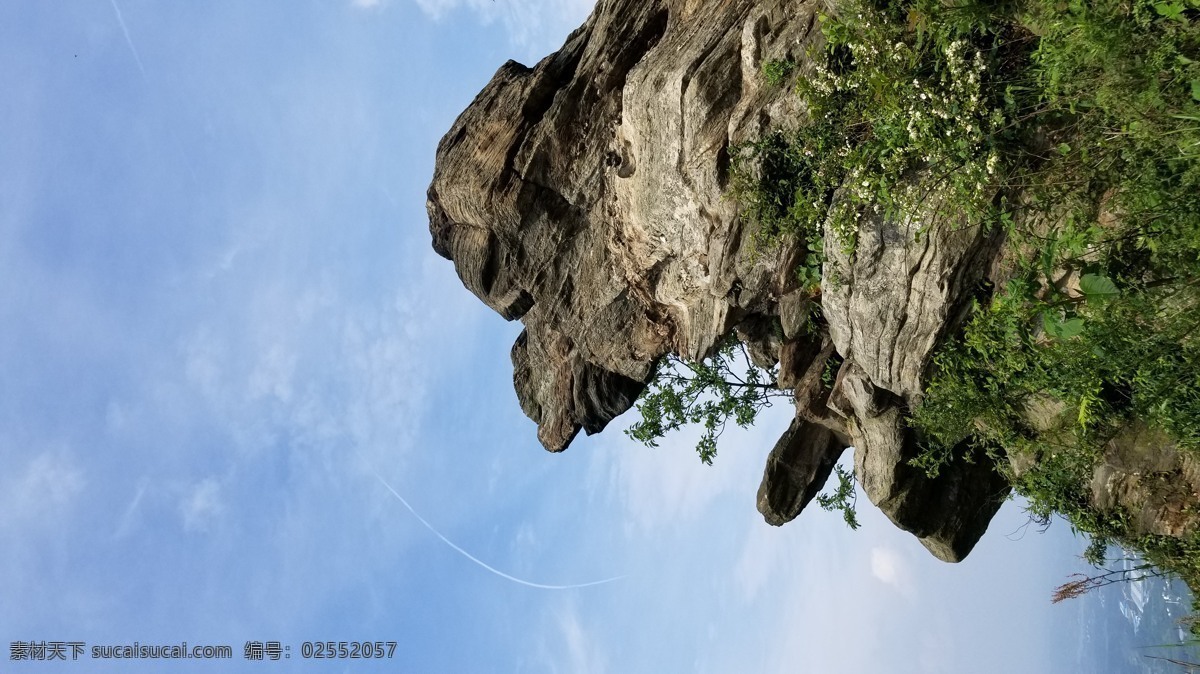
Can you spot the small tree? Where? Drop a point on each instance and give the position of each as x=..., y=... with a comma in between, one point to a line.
x=842, y=498
x=708, y=393
x=712, y=392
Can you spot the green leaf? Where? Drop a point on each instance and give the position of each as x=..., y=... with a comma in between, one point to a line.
x=1051, y=324
x=1097, y=287
x=1071, y=327
x=1059, y=328
x=1170, y=10
x=1196, y=89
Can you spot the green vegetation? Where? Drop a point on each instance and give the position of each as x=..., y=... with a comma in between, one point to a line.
x=775, y=72
x=1074, y=127
x=725, y=386
x=842, y=498
x=708, y=393
x=711, y=393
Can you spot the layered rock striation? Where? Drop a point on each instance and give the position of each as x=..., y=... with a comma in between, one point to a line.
x=586, y=197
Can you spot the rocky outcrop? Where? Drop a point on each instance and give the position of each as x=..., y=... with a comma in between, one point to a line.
x=586, y=197
x=888, y=305
x=1145, y=475
x=797, y=469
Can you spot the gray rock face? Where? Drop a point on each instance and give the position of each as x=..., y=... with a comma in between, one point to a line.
x=889, y=303
x=586, y=198
x=1143, y=473
x=887, y=306
x=797, y=469
x=947, y=513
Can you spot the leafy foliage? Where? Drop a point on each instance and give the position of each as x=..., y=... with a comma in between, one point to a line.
x=883, y=101
x=727, y=386
x=1072, y=125
x=709, y=393
x=843, y=497
x=775, y=72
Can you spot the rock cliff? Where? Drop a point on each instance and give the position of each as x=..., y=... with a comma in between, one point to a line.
x=586, y=197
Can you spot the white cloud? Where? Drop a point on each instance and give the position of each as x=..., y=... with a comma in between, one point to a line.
x=585, y=654
x=532, y=25
x=525, y=539
x=116, y=417
x=666, y=485
x=43, y=491
x=39, y=506
x=125, y=524
x=272, y=375
x=821, y=614
x=203, y=357
x=202, y=505
x=891, y=568
x=568, y=646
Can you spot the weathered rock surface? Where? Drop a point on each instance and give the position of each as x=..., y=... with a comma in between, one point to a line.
x=1144, y=474
x=890, y=301
x=586, y=197
x=1141, y=476
x=797, y=469
x=887, y=306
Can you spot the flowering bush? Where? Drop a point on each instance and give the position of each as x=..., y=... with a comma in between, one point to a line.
x=885, y=102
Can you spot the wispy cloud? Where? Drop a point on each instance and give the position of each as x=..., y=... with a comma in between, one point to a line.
x=202, y=505
x=125, y=524
x=668, y=485
x=128, y=40
x=760, y=560
x=481, y=563
x=532, y=25
x=42, y=491
x=566, y=644
x=584, y=653
x=891, y=568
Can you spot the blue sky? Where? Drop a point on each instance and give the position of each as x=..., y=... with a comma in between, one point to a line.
x=224, y=329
